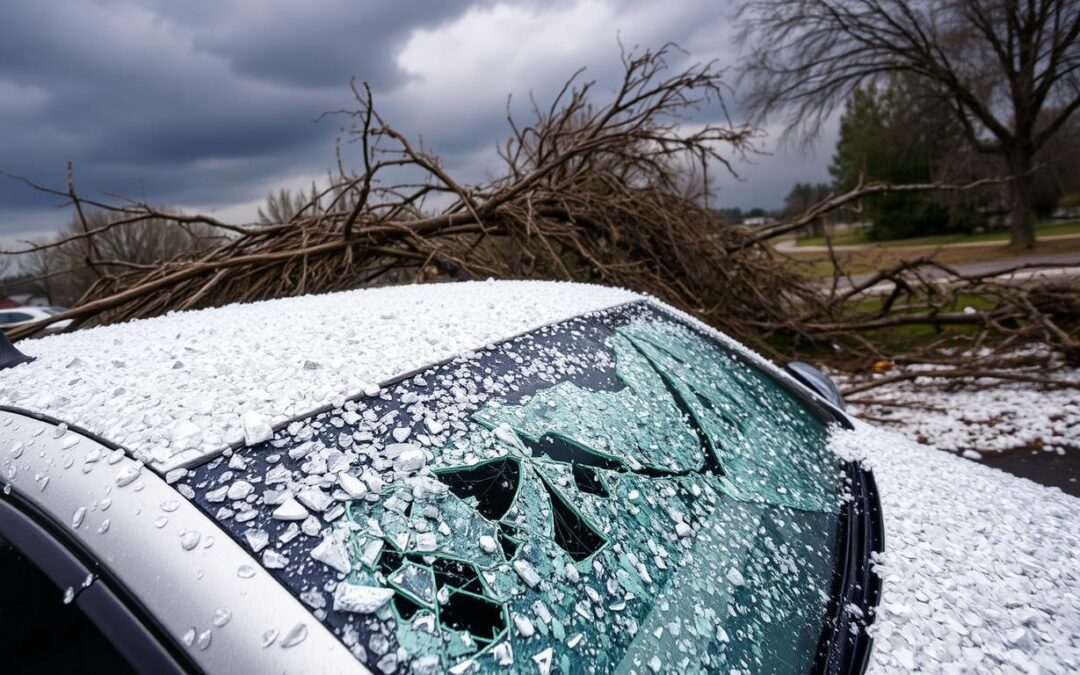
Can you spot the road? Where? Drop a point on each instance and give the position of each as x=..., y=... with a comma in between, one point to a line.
x=790, y=245
x=1051, y=265
x=1046, y=468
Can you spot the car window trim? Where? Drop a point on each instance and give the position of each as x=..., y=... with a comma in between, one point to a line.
x=128, y=628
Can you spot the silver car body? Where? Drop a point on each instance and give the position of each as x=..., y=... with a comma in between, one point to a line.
x=126, y=391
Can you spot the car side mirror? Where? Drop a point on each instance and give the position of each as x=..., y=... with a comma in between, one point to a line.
x=10, y=356
x=817, y=381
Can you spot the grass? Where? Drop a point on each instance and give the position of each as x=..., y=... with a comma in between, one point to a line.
x=898, y=339
x=1045, y=229
x=864, y=260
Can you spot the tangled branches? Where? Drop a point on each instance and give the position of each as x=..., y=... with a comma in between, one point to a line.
x=611, y=193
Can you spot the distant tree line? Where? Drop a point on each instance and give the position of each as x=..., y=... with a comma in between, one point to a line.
x=994, y=78
x=900, y=131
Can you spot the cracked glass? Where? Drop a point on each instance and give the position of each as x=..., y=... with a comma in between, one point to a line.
x=618, y=492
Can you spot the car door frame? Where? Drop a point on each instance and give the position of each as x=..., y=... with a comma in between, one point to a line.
x=135, y=636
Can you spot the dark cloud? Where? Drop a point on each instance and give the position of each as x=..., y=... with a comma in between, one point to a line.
x=312, y=45
x=210, y=104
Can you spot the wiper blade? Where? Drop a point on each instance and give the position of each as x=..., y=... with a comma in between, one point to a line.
x=844, y=646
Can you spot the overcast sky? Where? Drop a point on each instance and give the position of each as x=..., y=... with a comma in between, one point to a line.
x=210, y=104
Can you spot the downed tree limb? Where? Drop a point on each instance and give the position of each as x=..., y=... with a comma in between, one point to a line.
x=594, y=193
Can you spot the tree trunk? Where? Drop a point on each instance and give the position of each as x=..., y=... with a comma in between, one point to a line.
x=1021, y=214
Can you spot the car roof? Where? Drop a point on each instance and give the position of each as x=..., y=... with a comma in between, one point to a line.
x=175, y=389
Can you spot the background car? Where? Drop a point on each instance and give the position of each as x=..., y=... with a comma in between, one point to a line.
x=15, y=316
x=469, y=477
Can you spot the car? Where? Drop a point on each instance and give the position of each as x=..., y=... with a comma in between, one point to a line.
x=16, y=316
x=495, y=477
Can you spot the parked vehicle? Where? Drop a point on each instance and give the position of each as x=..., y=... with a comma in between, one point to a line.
x=16, y=316
x=525, y=476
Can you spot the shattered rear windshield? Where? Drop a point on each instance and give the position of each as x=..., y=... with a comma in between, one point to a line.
x=617, y=492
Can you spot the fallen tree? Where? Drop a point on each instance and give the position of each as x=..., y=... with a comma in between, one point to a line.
x=587, y=192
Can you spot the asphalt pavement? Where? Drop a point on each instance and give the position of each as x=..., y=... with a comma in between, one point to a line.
x=1046, y=468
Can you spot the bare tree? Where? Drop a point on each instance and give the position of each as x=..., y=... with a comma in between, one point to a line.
x=998, y=64
x=589, y=191
x=64, y=267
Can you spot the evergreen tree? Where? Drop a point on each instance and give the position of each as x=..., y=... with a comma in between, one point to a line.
x=900, y=133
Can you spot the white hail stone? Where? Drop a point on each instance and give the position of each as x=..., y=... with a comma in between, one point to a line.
x=360, y=599
x=184, y=434
x=353, y=486
x=524, y=625
x=331, y=551
x=410, y=460
x=315, y=499
x=257, y=539
x=290, y=509
x=487, y=543
x=373, y=480
x=543, y=661
x=189, y=540
x=526, y=572
x=256, y=428
x=735, y=577
x=503, y=654
x=217, y=495
x=240, y=490
x=272, y=560
x=127, y=474
x=425, y=541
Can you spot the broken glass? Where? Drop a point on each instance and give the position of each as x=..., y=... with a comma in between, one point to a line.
x=616, y=492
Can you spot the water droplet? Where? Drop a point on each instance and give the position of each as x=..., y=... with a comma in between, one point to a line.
x=80, y=513
x=245, y=571
x=104, y=527
x=203, y=640
x=69, y=595
x=295, y=636
x=222, y=616
x=189, y=637
x=189, y=539
x=161, y=521
x=170, y=505
x=268, y=637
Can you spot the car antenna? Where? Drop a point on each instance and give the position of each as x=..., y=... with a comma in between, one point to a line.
x=10, y=356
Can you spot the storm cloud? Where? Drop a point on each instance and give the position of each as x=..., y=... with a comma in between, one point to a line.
x=211, y=104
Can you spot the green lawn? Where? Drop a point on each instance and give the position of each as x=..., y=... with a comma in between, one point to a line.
x=1045, y=229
